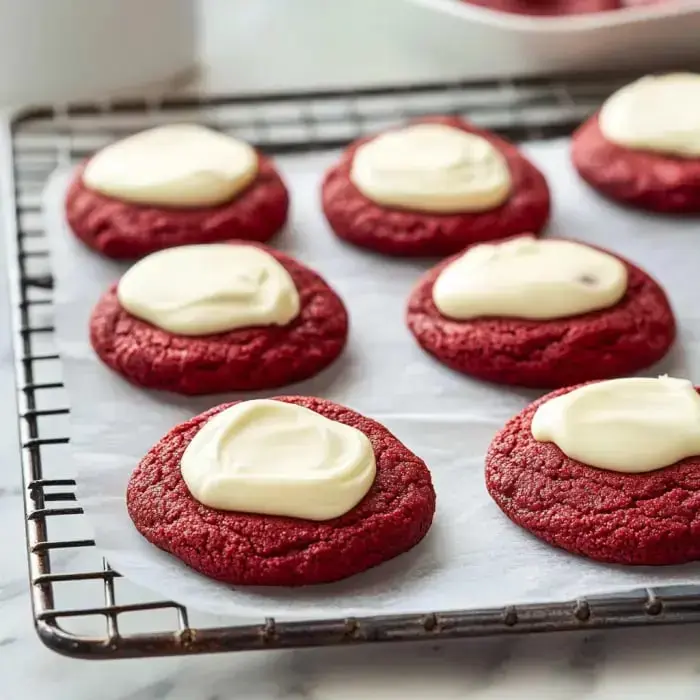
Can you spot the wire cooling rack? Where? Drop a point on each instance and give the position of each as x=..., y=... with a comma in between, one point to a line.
x=81, y=606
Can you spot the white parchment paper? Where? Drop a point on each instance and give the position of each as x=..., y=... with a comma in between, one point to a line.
x=473, y=556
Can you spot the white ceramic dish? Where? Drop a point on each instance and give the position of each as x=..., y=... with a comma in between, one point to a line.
x=648, y=38
x=61, y=51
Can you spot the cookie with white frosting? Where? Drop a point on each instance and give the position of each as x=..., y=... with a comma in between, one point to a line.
x=541, y=313
x=608, y=470
x=175, y=185
x=218, y=317
x=432, y=187
x=643, y=147
x=288, y=491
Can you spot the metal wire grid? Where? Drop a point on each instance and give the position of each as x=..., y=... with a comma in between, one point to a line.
x=82, y=607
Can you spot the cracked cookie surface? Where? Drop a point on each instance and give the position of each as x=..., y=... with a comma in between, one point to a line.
x=359, y=220
x=245, y=359
x=125, y=230
x=249, y=549
x=622, y=339
x=642, y=179
x=642, y=519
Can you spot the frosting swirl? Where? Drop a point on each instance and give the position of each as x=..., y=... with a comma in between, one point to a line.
x=529, y=278
x=203, y=289
x=432, y=168
x=178, y=165
x=656, y=113
x=631, y=425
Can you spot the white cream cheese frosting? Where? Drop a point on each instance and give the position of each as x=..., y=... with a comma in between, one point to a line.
x=275, y=458
x=531, y=279
x=203, y=289
x=656, y=113
x=178, y=165
x=631, y=425
x=432, y=168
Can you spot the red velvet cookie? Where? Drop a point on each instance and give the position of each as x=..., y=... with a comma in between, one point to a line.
x=651, y=518
x=264, y=550
x=245, y=359
x=359, y=220
x=642, y=179
x=620, y=340
x=126, y=230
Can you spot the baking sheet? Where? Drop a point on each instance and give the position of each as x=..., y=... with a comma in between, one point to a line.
x=473, y=556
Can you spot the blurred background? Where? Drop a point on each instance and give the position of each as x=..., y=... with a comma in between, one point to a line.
x=59, y=51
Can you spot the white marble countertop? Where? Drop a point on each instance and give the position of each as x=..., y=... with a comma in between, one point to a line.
x=638, y=664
